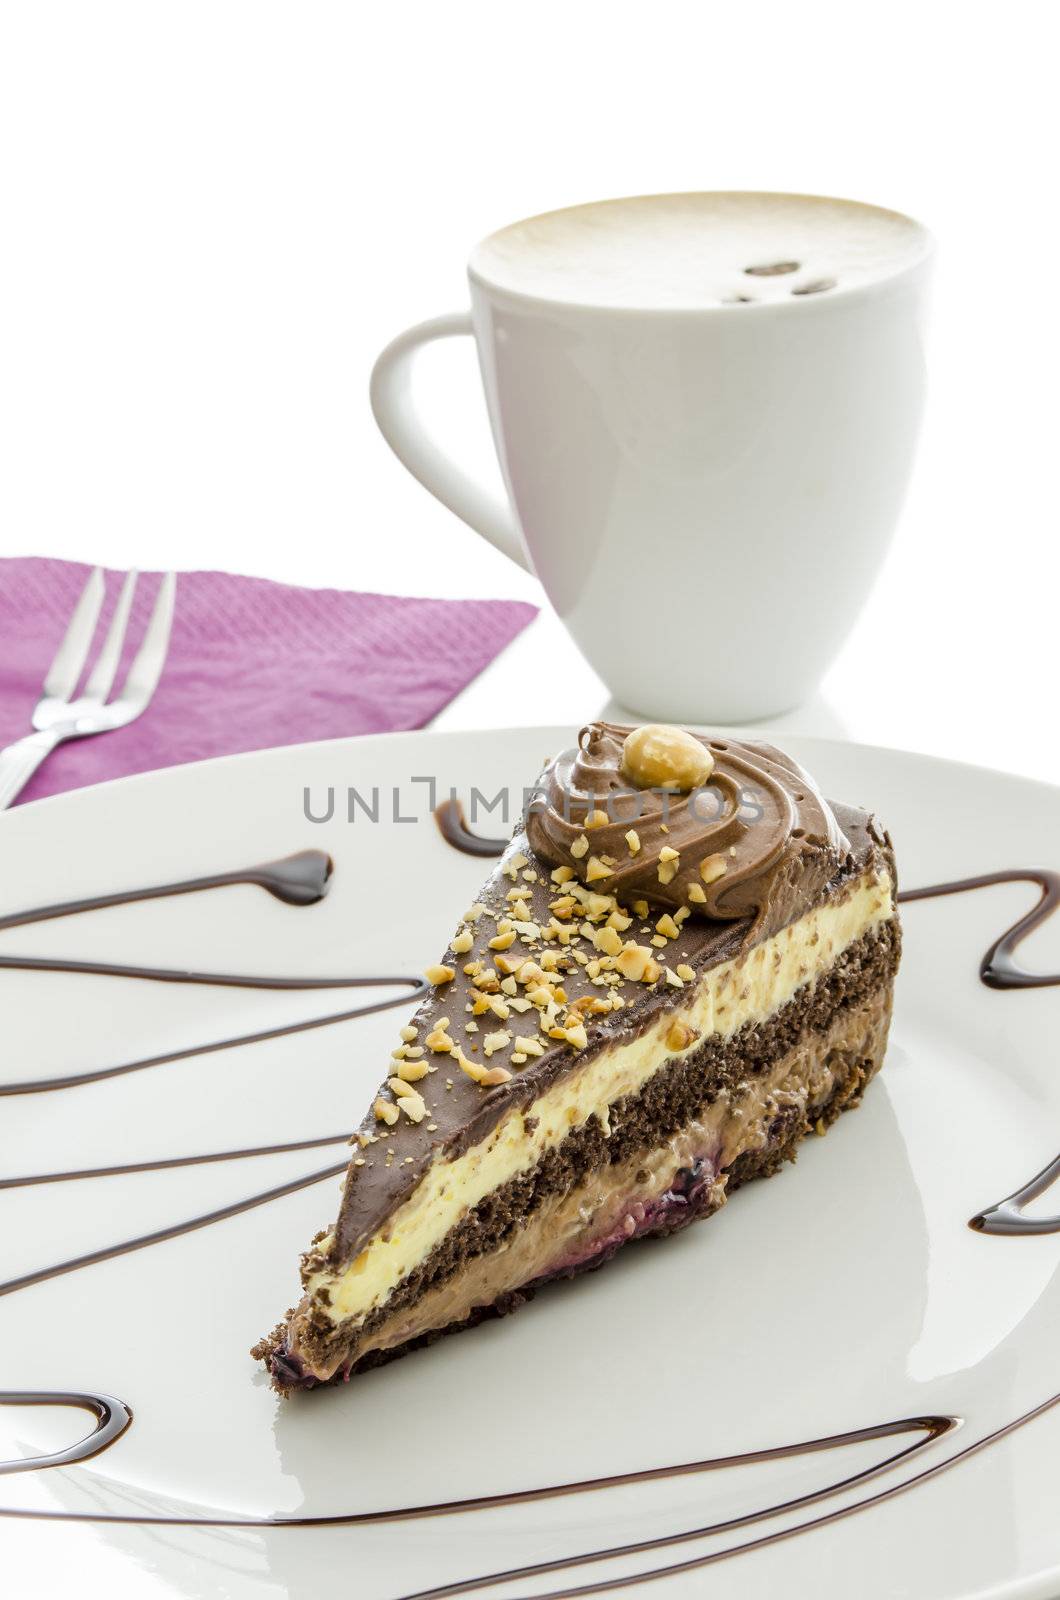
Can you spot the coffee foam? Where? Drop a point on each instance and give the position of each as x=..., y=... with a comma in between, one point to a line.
x=690, y=250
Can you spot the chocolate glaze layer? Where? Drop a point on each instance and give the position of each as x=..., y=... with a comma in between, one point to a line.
x=779, y=838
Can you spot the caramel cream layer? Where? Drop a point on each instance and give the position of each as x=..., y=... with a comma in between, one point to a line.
x=748, y=989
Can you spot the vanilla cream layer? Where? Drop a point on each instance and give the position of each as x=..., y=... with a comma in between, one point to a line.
x=747, y=989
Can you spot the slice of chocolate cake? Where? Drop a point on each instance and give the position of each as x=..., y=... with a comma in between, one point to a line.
x=681, y=965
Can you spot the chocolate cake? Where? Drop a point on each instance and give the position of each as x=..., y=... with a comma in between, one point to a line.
x=682, y=964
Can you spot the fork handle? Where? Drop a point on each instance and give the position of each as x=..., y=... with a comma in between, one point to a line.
x=19, y=761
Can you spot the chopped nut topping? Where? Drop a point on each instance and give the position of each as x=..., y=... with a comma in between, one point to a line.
x=563, y=874
x=633, y=840
x=637, y=963
x=596, y=819
x=579, y=847
x=385, y=1111
x=415, y=1108
x=640, y=908
x=669, y=861
x=667, y=926
x=711, y=868
x=608, y=940
x=474, y=1069
x=503, y=941
x=439, y=975
x=462, y=942
x=686, y=972
x=493, y=1076
x=679, y=1037
x=574, y=1035
x=595, y=870
x=696, y=894
x=496, y=1041
x=412, y=1071
x=409, y=1033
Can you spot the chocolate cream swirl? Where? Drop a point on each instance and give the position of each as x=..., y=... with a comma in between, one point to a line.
x=759, y=820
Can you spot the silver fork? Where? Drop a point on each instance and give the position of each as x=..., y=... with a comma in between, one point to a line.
x=57, y=716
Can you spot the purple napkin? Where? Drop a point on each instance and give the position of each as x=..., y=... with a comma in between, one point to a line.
x=251, y=664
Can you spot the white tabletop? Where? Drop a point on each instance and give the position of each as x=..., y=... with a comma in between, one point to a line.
x=216, y=218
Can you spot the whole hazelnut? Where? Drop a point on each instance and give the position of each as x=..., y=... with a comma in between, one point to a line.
x=660, y=757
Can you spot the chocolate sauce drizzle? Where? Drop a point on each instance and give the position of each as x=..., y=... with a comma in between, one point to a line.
x=298, y=880
x=112, y=1418
x=452, y=825
x=999, y=969
x=302, y=880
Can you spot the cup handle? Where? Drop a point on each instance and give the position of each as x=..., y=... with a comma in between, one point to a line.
x=405, y=433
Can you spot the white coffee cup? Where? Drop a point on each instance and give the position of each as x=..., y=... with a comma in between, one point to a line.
x=705, y=408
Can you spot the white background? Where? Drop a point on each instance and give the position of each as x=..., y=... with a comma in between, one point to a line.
x=214, y=214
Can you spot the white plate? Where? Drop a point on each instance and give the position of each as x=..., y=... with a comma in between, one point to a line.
x=848, y=1292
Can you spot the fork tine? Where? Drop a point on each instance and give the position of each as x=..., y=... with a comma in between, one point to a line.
x=149, y=660
x=70, y=656
x=99, y=684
